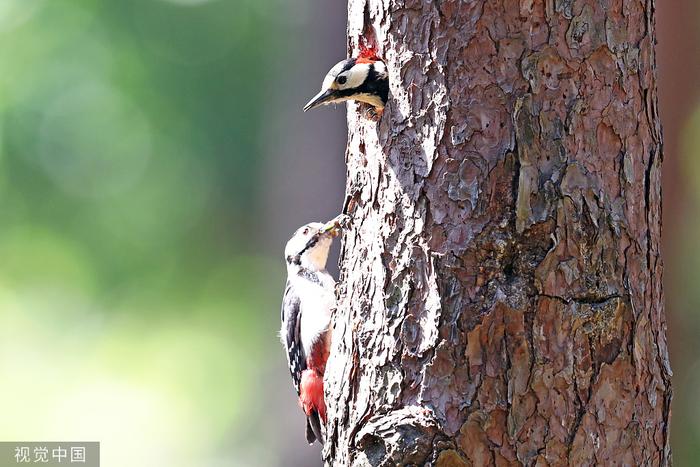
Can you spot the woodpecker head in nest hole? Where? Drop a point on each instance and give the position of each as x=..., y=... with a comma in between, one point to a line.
x=310, y=244
x=363, y=79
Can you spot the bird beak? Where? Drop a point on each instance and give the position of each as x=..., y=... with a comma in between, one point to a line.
x=331, y=229
x=335, y=226
x=324, y=97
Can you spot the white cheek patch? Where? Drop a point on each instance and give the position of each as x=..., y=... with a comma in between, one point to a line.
x=356, y=76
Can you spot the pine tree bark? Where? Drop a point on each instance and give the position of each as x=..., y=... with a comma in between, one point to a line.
x=501, y=298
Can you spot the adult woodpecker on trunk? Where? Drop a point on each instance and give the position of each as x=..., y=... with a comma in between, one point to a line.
x=309, y=298
x=363, y=79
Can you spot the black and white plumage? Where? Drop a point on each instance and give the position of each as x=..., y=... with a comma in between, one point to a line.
x=309, y=299
x=290, y=335
x=363, y=79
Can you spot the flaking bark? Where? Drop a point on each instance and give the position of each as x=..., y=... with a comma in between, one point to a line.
x=501, y=299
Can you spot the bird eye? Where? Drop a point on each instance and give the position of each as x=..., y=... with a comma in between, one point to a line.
x=306, y=231
x=342, y=79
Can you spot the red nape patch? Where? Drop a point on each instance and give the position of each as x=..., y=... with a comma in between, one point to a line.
x=368, y=49
x=311, y=394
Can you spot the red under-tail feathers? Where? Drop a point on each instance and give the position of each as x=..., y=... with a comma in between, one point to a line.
x=311, y=393
x=311, y=386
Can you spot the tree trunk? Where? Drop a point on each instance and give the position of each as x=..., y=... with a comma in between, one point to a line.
x=501, y=299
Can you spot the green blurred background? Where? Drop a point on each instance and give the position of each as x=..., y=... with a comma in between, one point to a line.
x=153, y=161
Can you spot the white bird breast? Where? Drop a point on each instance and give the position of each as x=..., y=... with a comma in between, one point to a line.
x=316, y=302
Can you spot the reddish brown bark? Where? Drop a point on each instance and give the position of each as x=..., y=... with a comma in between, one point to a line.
x=501, y=298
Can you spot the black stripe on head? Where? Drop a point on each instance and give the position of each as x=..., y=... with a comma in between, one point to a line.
x=348, y=64
x=374, y=84
x=315, y=238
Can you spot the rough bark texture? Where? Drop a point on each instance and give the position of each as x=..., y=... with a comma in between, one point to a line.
x=501, y=299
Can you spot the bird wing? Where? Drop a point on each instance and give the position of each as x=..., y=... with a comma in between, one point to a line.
x=290, y=334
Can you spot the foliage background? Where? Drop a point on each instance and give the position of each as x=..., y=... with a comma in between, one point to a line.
x=153, y=161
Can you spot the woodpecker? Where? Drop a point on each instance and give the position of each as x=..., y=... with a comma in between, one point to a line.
x=309, y=298
x=363, y=79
